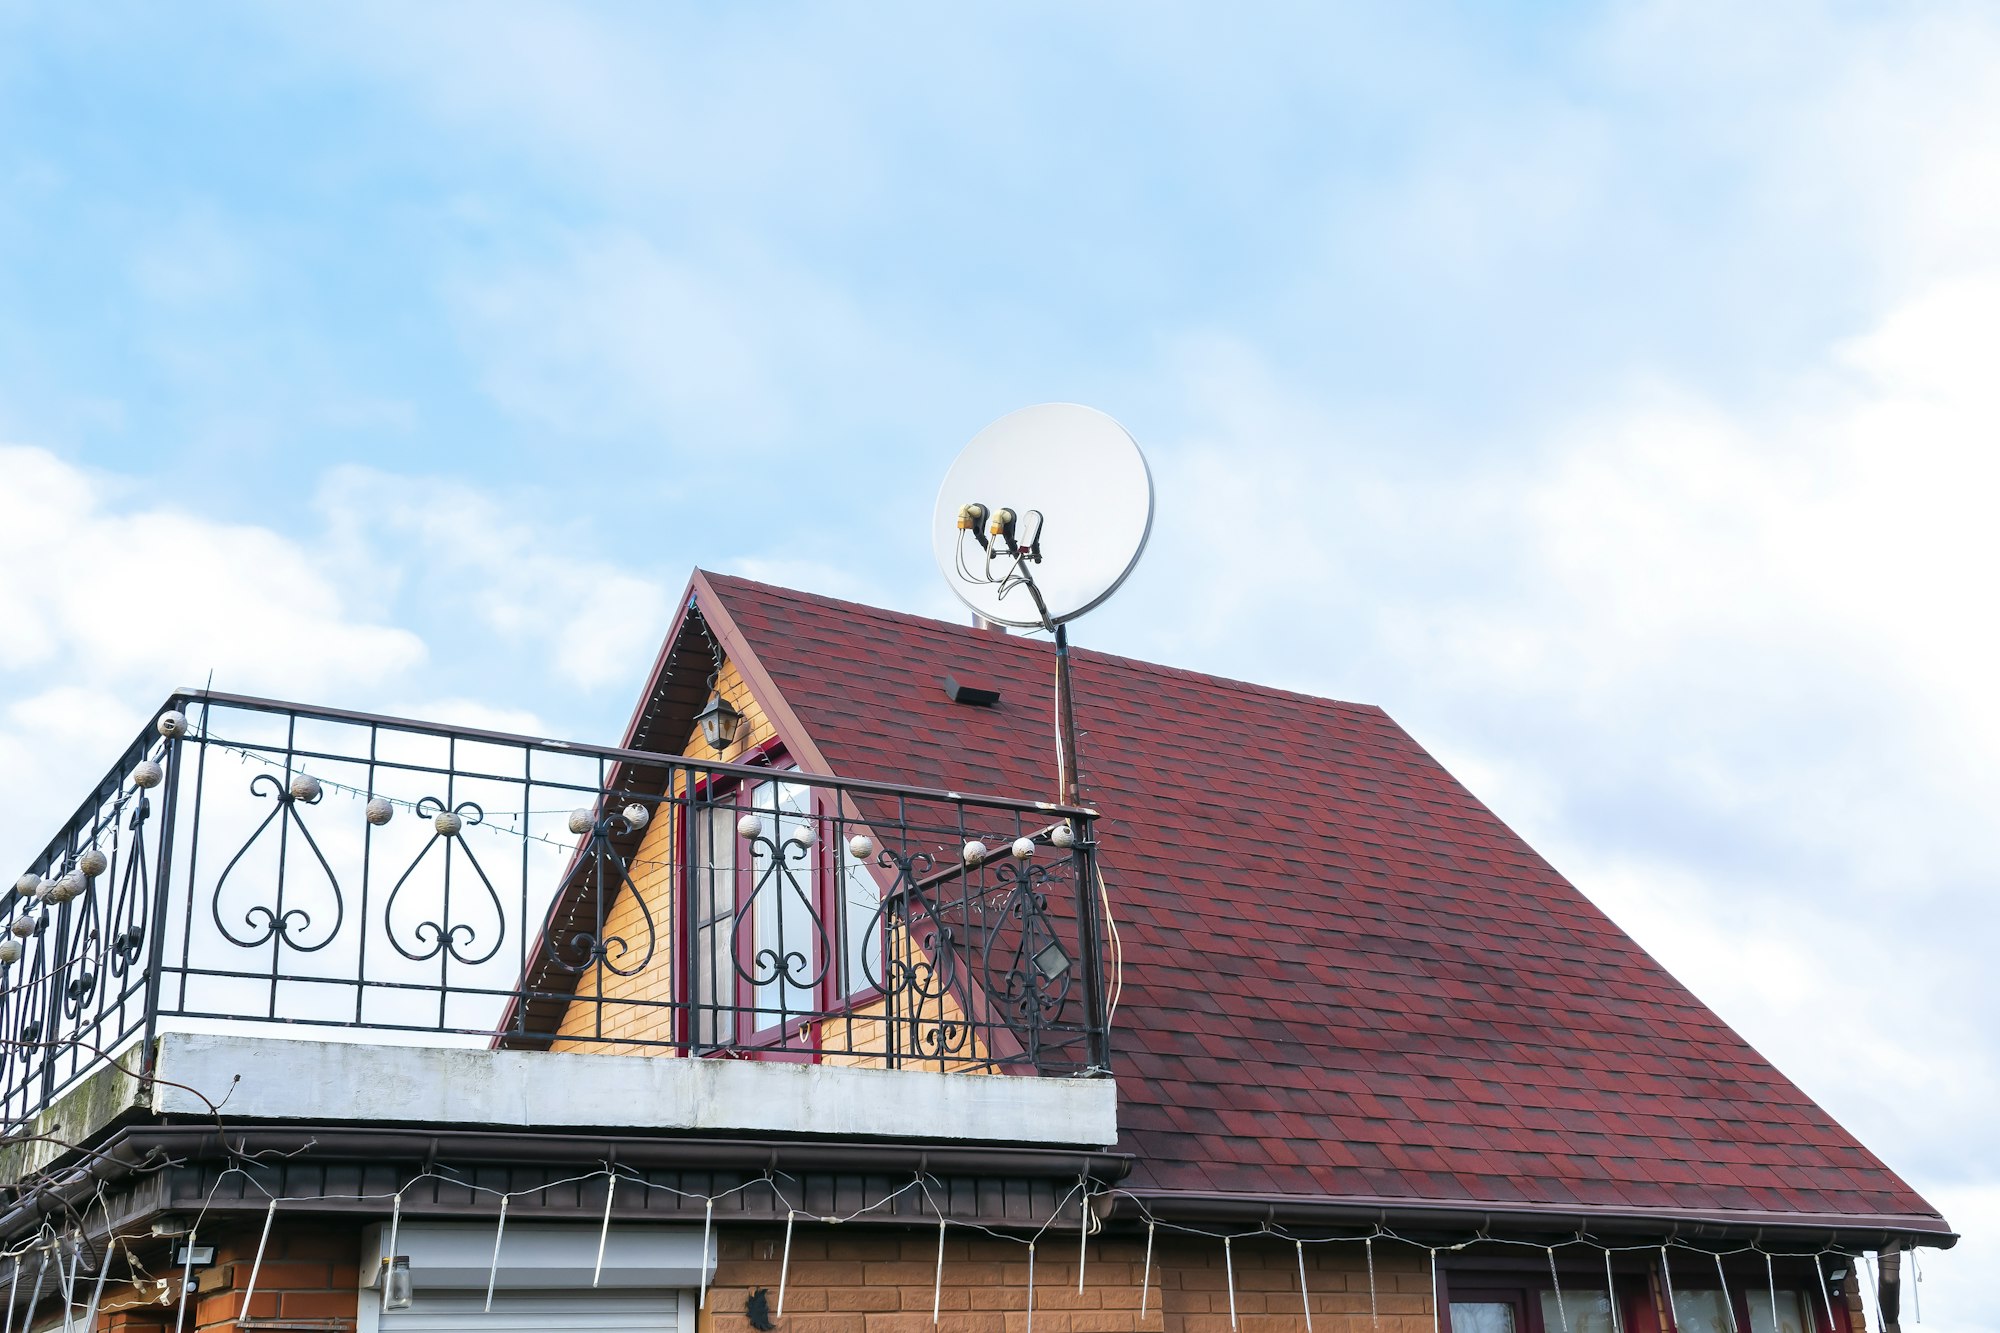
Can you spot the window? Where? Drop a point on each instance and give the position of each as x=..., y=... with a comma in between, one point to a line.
x=1502, y=1297
x=713, y=992
x=784, y=925
x=1483, y=1317
x=786, y=954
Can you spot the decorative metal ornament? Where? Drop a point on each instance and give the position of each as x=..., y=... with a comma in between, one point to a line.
x=172, y=723
x=1023, y=848
x=801, y=837
x=582, y=821
x=637, y=815
x=1062, y=835
x=749, y=826
x=148, y=774
x=448, y=823
x=379, y=810
x=861, y=846
x=975, y=852
x=72, y=885
x=305, y=787
x=10, y=951
x=24, y=925
x=93, y=862
x=28, y=885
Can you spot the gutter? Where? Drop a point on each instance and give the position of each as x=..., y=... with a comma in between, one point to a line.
x=127, y=1150
x=1809, y=1230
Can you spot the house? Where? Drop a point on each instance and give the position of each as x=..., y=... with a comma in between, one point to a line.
x=835, y=1023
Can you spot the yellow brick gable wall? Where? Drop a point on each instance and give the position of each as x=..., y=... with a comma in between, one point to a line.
x=613, y=1014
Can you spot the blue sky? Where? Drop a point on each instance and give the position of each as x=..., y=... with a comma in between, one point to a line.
x=1606, y=391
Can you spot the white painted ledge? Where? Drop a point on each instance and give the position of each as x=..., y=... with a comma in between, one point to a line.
x=284, y=1078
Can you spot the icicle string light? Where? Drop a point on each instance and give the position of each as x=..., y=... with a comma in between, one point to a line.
x=13, y=1291
x=604, y=1236
x=1771, y=1277
x=1723, y=1283
x=937, y=1281
x=1611, y=1296
x=1374, y=1313
x=493, y=1273
x=1562, y=1310
x=257, y=1264
x=187, y=1283
x=1825, y=1295
x=395, y=1225
x=1229, y=1277
x=1031, y=1287
x=1082, y=1232
x=49, y=1246
x=1146, y=1272
x=707, y=1225
x=1305, y=1297
x=784, y=1264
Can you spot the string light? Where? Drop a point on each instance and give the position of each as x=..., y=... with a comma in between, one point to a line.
x=1081, y=1193
x=1305, y=1297
x=493, y=1274
x=785, y=1264
x=1146, y=1278
x=257, y=1264
x=1229, y=1276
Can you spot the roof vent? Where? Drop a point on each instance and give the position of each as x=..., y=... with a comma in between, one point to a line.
x=975, y=696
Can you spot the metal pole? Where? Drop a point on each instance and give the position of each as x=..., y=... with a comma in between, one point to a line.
x=1067, y=780
x=162, y=893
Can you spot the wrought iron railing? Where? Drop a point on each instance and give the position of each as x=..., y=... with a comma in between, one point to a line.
x=250, y=862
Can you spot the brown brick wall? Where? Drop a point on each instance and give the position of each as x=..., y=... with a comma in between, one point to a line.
x=850, y=1280
x=881, y=1283
x=309, y=1275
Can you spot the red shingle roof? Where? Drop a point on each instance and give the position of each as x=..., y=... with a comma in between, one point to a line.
x=1345, y=977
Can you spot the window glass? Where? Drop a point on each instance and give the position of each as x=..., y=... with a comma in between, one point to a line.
x=784, y=955
x=1579, y=1312
x=1482, y=1317
x=1703, y=1312
x=1791, y=1312
x=860, y=900
x=714, y=989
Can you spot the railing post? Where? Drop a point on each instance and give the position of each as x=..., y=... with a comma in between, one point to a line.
x=156, y=946
x=1097, y=1027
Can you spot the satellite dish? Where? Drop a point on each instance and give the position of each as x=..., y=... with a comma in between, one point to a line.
x=1074, y=496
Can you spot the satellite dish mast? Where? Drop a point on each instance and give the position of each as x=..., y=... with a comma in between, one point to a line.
x=1040, y=519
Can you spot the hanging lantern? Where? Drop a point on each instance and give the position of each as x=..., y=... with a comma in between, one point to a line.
x=719, y=722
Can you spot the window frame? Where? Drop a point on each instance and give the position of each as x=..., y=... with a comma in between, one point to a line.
x=795, y=1036
x=1524, y=1282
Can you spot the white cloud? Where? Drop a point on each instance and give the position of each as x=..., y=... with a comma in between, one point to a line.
x=111, y=597
x=520, y=573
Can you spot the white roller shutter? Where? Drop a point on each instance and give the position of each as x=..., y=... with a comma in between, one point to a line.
x=637, y=1310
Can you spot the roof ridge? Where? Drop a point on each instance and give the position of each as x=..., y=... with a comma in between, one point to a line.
x=1160, y=668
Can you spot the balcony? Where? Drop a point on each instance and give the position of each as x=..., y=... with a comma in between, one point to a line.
x=252, y=869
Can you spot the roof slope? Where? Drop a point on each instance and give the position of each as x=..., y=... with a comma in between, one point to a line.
x=1345, y=977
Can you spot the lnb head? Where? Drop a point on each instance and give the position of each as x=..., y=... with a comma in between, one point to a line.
x=972, y=518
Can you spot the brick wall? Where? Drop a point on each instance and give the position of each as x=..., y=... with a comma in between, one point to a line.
x=307, y=1280
x=851, y=1280
x=881, y=1283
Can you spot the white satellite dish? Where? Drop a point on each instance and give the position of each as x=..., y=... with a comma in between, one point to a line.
x=1077, y=499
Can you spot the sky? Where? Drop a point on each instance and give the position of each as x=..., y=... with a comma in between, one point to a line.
x=1608, y=392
